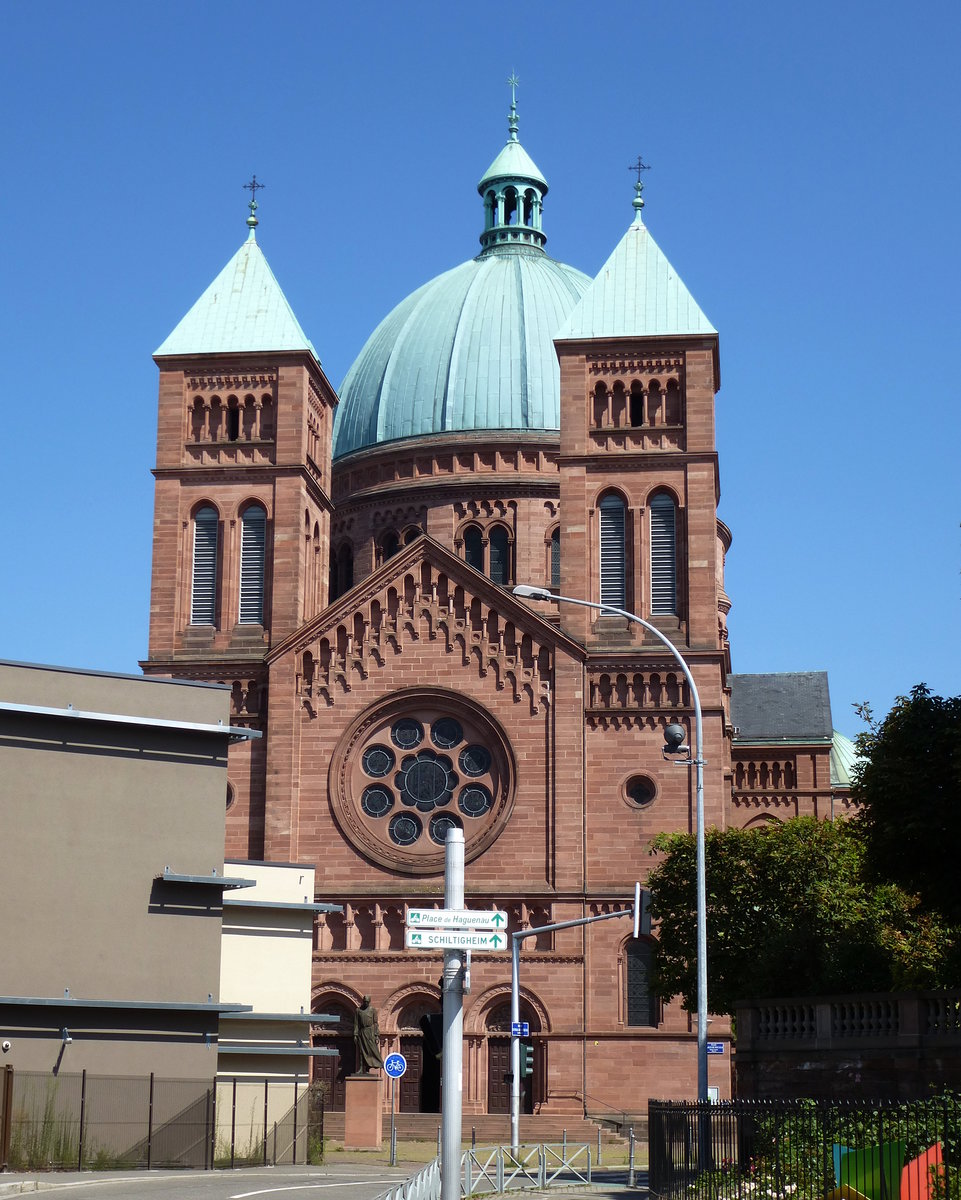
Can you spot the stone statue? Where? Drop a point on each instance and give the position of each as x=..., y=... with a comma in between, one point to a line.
x=366, y=1037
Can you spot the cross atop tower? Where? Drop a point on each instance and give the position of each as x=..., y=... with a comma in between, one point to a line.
x=639, y=166
x=253, y=187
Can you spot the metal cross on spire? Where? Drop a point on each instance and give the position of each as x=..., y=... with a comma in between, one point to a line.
x=639, y=166
x=512, y=118
x=253, y=187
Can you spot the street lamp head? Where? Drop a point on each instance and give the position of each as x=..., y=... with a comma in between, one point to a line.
x=532, y=593
x=674, y=736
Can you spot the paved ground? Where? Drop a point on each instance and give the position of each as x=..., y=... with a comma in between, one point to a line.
x=336, y=1181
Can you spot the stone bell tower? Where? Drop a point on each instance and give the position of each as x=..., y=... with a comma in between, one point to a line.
x=242, y=507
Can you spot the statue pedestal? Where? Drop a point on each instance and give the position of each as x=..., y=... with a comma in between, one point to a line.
x=363, y=1112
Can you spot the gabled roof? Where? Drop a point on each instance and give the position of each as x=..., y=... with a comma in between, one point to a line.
x=243, y=310
x=474, y=583
x=787, y=706
x=637, y=293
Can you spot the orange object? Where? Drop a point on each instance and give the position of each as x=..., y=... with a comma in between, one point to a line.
x=918, y=1175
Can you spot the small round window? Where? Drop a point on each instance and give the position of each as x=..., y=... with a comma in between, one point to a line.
x=640, y=791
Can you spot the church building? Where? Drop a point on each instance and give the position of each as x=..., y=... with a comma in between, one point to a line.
x=345, y=561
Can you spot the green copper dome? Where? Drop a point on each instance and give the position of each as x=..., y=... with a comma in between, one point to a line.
x=472, y=349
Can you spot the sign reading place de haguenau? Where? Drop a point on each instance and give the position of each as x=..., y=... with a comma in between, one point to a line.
x=456, y=918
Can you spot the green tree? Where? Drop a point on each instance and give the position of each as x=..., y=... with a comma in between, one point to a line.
x=788, y=913
x=909, y=789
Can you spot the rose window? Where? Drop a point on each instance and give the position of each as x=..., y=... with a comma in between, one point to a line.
x=416, y=767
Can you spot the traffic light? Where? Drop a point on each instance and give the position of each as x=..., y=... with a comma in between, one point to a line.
x=642, y=911
x=527, y=1060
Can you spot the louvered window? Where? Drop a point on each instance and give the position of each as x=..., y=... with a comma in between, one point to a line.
x=500, y=556
x=474, y=548
x=663, y=555
x=612, y=551
x=641, y=1002
x=556, y=559
x=253, y=547
x=203, y=595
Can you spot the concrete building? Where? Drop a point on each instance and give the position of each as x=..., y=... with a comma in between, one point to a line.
x=111, y=872
x=344, y=564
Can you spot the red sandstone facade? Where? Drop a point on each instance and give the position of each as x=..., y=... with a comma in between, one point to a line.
x=374, y=626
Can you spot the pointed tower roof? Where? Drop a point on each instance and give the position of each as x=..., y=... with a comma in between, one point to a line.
x=243, y=310
x=637, y=293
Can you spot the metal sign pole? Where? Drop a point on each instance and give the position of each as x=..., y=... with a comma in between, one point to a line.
x=393, y=1138
x=452, y=1061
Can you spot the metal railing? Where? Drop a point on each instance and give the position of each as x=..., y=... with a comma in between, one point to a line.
x=493, y=1170
x=805, y=1149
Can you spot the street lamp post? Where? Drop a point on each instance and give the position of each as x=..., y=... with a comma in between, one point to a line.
x=697, y=760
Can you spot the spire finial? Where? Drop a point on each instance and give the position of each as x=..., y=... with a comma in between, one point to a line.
x=512, y=118
x=638, y=201
x=253, y=187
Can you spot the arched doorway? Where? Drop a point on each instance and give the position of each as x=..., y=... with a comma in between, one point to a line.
x=333, y=1069
x=499, y=1060
x=420, y=1085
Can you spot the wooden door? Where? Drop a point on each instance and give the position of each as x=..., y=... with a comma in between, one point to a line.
x=498, y=1071
x=334, y=1069
x=498, y=1078
x=412, y=1049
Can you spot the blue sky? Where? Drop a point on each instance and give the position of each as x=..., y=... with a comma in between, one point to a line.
x=804, y=184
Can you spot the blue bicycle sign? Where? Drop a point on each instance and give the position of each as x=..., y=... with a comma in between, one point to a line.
x=395, y=1065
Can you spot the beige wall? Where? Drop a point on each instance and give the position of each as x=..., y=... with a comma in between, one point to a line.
x=93, y=811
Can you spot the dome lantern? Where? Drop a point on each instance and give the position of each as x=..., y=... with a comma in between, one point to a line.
x=513, y=190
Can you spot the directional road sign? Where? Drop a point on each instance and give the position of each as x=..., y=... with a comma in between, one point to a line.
x=456, y=918
x=454, y=939
x=395, y=1065
x=520, y=1029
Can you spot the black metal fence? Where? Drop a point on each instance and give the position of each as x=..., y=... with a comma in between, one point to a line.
x=806, y=1150
x=107, y=1121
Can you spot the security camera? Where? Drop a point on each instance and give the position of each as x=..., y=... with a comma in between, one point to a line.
x=674, y=736
x=5, y=1045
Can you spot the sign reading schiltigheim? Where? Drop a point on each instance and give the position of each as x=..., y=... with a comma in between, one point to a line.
x=456, y=918
x=454, y=939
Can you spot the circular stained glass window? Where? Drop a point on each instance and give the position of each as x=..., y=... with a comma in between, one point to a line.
x=377, y=801
x=446, y=733
x=475, y=800
x=425, y=781
x=378, y=760
x=474, y=760
x=412, y=767
x=439, y=825
x=404, y=829
x=407, y=733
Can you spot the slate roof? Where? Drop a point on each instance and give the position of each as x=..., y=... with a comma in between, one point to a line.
x=786, y=706
x=243, y=310
x=637, y=293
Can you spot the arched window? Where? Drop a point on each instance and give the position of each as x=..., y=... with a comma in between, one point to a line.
x=663, y=555
x=556, y=559
x=637, y=404
x=500, y=556
x=642, y=1006
x=474, y=548
x=389, y=545
x=345, y=569
x=613, y=573
x=203, y=595
x=253, y=551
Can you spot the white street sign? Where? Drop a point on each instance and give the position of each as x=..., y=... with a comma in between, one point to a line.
x=456, y=918
x=451, y=939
